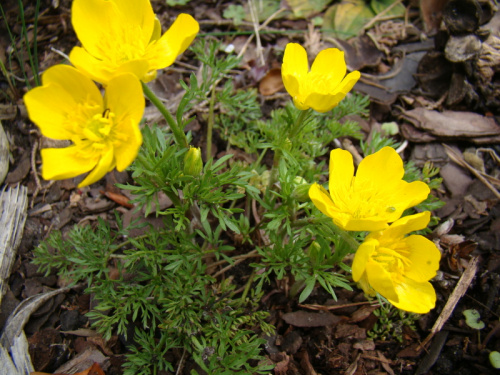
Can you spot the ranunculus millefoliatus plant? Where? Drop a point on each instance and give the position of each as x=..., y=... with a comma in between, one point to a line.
x=373, y=197
x=104, y=131
x=120, y=36
x=324, y=85
x=398, y=266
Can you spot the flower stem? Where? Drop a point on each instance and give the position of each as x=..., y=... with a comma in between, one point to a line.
x=350, y=240
x=294, y=130
x=180, y=137
x=299, y=123
x=211, y=121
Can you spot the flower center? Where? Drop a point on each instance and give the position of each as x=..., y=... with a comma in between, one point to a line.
x=394, y=261
x=98, y=128
x=362, y=200
x=122, y=45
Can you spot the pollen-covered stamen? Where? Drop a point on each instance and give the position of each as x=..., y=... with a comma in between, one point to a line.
x=123, y=45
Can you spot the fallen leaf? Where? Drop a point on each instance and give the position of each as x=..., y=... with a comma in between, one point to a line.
x=347, y=19
x=95, y=369
x=309, y=319
x=122, y=200
x=271, y=83
x=453, y=124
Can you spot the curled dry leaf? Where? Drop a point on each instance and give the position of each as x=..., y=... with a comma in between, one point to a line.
x=271, y=83
x=122, y=200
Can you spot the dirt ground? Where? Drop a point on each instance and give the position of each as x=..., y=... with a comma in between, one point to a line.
x=444, y=96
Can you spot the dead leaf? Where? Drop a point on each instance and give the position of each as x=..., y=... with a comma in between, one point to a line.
x=309, y=319
x=351, y=331
x=431, y=12
x=95, y=369
x=468, y=126
x=271, y=83
x=122, y=200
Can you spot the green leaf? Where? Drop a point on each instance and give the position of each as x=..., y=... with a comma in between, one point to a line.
x=495, y=359
x=473, y=319
x=347, y=18
x=236, y=13
x=379, y=6
x=306, y=8
x=310, y=282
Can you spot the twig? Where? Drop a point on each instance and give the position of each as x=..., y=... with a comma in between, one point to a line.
x=181, y=363
x=458, y=159
x=35, y=173
x=380, y=16
x=266, y=22
x=337, y=307
x=458, y=292
x=251, y=254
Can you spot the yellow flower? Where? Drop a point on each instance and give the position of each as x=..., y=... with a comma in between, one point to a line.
x=376, y=196
x=124, y=36
x=399, y=267
x=105, y=132
x=324, y=86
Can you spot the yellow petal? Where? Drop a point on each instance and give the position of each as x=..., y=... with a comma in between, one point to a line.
x=382, y=170
x=381, y=280
x=156, y=30
x=361, y=258
x=91, y=19
x=320, y=198
x=63, y=89
x=424, y=257
x=104, y=165
x=126, y=152
x=414, y=192
x=298, y=100
x=348, y=82
x=295, y=68
x=138, y=13
x=139, y=68
x=330, y=63
x=321, y=102
x=341, y=173
x=175, y=41
x=99, y=70
x=124, y=98
x=62, y=163
x=402, y=196
x=80, y=87
x=94, y=20
x=403, y=226
x=415, y=297
x=369, y=224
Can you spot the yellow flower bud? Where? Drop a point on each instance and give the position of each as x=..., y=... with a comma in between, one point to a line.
x=192, y=162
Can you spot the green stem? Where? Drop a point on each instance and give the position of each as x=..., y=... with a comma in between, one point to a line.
x=350, y=240
x=274, y=171
x=179, y=135
x=259, y=159
x=353, y=244
x=247, y=288
x=26, y=41
x=211, y=121
x=299, y=123
x=294, y=130
x=35, y=42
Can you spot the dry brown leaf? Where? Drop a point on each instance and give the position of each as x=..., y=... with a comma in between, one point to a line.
x=271, y=83
x=122, y=200
x=95, y=369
